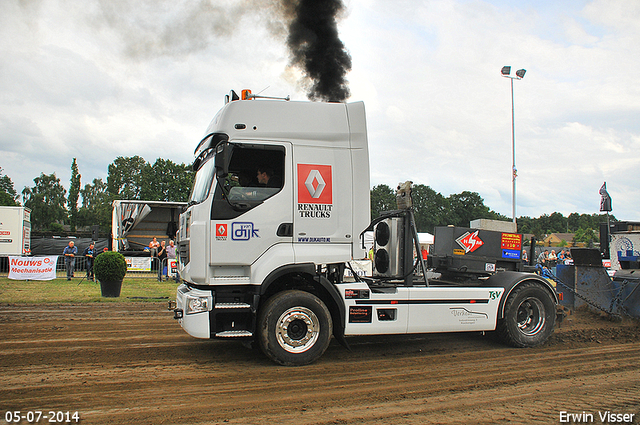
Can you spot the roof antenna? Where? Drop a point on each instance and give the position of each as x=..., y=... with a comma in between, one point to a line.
x=247, y=95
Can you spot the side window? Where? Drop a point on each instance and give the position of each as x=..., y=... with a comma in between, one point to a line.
x=256, y=173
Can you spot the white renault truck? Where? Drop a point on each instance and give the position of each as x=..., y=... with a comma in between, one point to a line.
x=15, y=231
x=278, y=207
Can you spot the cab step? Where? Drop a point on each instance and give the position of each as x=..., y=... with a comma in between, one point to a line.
x=234, y=334
x=232, y=305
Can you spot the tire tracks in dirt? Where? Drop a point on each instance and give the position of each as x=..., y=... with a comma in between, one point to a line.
x=117, y=363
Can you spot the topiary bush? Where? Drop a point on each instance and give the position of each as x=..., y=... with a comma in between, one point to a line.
x=110, y=266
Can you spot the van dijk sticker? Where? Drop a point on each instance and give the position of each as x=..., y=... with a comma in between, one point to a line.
x=315, y=191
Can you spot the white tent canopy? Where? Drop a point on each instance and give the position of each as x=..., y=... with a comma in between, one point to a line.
x=425, y=238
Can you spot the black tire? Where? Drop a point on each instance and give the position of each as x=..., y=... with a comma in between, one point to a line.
x=529, y=316
x=294, y=328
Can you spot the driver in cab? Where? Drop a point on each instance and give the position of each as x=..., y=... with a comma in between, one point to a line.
x=266, y=178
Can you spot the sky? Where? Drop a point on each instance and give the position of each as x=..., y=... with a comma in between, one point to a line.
x=99, y=79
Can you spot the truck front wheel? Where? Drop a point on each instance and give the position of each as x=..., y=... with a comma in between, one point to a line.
x=529, y=316
x=294, y=328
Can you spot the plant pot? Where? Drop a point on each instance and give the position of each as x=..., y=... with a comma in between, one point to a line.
x=110, y=288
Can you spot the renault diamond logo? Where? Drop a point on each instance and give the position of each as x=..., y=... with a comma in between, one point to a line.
x=315, y=184
x=315, y=190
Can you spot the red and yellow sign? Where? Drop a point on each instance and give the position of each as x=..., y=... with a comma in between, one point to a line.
x=511, y=241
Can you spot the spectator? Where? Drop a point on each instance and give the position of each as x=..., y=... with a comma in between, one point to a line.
x=162, y=256
x=153, y=250
x=567, y=258
x=89, y=254
x=153, y=246
x=552, y=261
x=171, y=250
x=171, y=255
x=70, y=252
x=542, y=258
x=561, y=255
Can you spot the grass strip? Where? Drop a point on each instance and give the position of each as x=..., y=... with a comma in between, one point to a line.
x=80, y=290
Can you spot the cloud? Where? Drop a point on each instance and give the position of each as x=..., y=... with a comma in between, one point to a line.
x=574, y=125
x=101, y=79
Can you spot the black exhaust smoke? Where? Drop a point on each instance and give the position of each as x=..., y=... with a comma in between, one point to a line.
x=316, y=48
x=163, y=28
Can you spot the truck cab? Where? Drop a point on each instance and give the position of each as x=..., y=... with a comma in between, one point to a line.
x=242, y=238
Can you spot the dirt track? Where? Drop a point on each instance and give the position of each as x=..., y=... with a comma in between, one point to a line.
x=114, y=364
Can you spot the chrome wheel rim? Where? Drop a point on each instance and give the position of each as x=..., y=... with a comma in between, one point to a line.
x=530, y=316
x=297, y=329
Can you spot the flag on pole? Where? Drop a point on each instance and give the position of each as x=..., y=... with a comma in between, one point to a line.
x=605, y=200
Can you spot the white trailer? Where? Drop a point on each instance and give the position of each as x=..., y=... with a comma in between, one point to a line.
x=280, y=199
x=15, y=231
x=134, y=223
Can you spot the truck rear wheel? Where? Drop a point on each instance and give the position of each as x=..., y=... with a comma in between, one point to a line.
x=294, y=328
x=529, y=316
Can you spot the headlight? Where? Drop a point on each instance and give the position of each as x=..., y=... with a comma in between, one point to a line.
x=197, y=305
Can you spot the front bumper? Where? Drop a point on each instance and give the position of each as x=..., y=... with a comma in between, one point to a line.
x=215, y=314
x=192, y=311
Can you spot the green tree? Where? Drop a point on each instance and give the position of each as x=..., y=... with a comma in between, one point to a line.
x=166, y=181
x=430, y=208
x=576, y=221
x=125, y=177
x=6, y=200
x=587, y=236
x=538, y=230
x=8, y=195
x=558, y=223
x=468, y=206
x=594, y=220
x=46, y=201
x=96, y=205
x=543, y=225
x=551, y=223
x=525, y=224
x=383, y=198
x=74, y=193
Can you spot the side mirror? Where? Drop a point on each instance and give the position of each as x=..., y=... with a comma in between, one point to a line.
x=212, y=141
x=223, y=158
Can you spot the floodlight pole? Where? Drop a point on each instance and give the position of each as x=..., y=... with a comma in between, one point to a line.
x=513, y=150
x=506, y=71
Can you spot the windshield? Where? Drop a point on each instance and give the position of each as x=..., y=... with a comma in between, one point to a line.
x=203, y=181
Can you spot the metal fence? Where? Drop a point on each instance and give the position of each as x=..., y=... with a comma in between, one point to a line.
x=80, y=268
